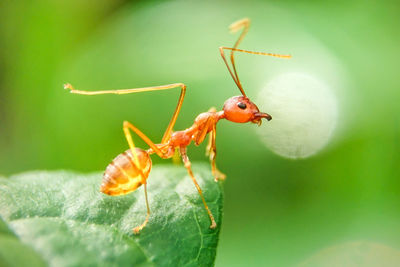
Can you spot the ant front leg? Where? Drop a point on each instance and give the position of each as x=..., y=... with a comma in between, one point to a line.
x=211, y=151
x=209, y=144
x=188, y=166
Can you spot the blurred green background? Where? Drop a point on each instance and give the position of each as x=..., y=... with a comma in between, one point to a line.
x=278, y=212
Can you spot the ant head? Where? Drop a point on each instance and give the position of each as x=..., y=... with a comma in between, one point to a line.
x=240, y=109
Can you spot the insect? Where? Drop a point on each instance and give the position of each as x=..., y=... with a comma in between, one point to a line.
x=130, y=169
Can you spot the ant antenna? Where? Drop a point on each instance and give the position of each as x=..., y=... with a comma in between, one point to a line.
x=234, y=27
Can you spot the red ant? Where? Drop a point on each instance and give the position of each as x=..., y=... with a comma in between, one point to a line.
x=130, y=169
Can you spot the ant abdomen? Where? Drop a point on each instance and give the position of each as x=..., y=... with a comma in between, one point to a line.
x=122, y=176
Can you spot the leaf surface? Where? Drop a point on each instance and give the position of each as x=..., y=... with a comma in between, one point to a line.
x=61, y=219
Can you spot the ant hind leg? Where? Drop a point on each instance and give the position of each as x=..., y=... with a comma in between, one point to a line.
x=128, y=136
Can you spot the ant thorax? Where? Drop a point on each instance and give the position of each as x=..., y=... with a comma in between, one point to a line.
x=203, y=124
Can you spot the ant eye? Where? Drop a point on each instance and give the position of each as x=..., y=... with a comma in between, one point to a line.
x=241, y=105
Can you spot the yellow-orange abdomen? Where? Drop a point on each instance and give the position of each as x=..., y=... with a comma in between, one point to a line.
x=122, y=176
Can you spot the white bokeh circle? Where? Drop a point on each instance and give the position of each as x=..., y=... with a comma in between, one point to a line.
x=304, y=112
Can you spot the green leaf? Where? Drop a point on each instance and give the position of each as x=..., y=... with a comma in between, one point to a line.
x=11, y=249
x=61, y=218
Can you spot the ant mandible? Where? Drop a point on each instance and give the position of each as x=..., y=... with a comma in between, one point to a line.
x=130, y=169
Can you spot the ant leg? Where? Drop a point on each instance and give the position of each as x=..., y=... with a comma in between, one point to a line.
x=126, y=127
x=212, y=152
x=128, y=136
x=189, y=169
x=171, y=124
x=69, y=87
x=168, y=131
x=208, y=147
x=137, y=229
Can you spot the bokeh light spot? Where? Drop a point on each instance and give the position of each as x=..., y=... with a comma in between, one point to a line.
x=304, y=112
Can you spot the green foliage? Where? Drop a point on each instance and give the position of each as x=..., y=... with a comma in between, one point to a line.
x=62, y=219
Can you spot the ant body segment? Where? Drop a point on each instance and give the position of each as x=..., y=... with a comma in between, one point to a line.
x=130, y=169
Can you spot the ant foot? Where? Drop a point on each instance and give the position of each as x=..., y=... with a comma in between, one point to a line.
x=68, y=86
x=137, y=229
x=213, y=225
x=219, y=176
